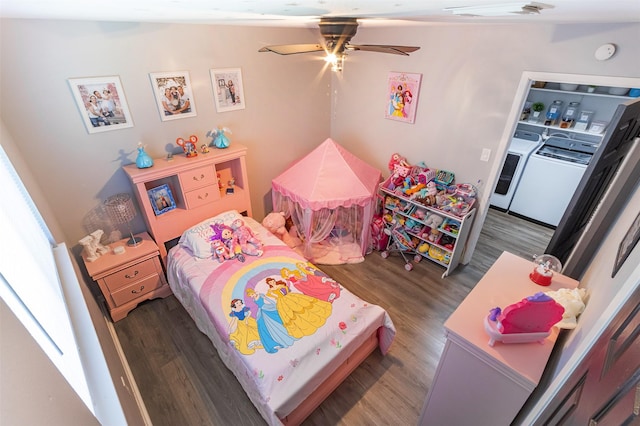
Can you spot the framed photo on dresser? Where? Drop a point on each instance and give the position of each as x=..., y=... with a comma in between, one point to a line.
x=161, y=199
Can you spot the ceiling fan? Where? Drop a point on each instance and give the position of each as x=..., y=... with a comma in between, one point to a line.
x=337, y=33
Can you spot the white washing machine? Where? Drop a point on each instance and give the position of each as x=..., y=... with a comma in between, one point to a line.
x=550, y=179
x=522, y=145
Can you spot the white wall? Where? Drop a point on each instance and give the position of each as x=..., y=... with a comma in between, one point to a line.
x=33, y=390
x=287, y=100
x=470, y=76
x=29, y=378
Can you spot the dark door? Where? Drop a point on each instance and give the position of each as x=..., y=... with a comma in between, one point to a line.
x=616, y=143
x=604, y=389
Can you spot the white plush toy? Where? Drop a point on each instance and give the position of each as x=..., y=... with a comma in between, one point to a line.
x=433, y=221
x=92, y=247
x=572, y=300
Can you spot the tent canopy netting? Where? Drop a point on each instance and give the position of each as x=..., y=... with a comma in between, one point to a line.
x=330, y=196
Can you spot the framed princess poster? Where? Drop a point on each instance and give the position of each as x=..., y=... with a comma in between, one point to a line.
x=402, y=96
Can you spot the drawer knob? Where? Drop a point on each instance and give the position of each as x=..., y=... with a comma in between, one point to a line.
x=131, y=276
x=206, y=195
x=196, y=178
x=138, y=291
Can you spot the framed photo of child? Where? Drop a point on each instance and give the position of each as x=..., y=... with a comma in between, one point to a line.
x=101, y=102
x=161, y=199
x=173, y=95
x=228, y=91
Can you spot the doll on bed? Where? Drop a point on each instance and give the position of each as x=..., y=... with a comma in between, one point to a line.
x=223, y=233
x=249, y=243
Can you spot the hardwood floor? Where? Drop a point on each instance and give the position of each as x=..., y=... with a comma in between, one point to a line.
x=183, y=381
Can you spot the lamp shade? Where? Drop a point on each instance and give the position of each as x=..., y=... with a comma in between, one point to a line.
x=121, y=210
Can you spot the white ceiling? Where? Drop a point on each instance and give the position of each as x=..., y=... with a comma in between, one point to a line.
x=305, y=13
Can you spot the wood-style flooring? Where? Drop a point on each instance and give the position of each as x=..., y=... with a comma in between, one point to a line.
x=183, y=382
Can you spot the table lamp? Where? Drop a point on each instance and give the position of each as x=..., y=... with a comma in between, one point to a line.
x=121, y=210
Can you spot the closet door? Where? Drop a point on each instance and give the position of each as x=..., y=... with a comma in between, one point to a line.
x=605, y=388
x=593, y=188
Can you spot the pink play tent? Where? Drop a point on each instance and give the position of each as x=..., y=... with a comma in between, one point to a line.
x=330, y=195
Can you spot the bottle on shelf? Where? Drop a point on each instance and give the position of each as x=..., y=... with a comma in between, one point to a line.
x=569, y=115
x=553, y=113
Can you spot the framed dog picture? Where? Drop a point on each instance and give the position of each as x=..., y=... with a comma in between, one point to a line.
x=227, y=89
x=172, y=91
x=161, y=199
x=101, y=102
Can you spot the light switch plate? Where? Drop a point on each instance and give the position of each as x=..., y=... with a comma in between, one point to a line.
x=486, y=153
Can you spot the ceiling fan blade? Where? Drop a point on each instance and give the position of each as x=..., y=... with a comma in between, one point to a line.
x=383, y=48
x=291, y=49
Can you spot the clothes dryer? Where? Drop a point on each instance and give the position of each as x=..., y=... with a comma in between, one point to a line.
x=522, y=145
x=550, y=179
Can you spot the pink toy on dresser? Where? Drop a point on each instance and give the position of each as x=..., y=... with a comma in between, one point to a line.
x=529, y=320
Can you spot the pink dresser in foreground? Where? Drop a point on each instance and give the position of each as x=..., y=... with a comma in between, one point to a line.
x=479, y=384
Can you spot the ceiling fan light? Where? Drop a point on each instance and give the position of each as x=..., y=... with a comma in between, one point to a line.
x=337, y=65
x=336, y=61
x=505, y=9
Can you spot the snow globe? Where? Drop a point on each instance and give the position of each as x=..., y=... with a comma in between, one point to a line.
x=545, y=266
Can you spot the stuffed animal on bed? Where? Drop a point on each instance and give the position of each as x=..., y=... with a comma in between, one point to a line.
x=220, y=251
x=249, y=243
x=275, y=223
x=224, y=233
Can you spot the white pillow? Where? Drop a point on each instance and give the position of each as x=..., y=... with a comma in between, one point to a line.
x=198, y=237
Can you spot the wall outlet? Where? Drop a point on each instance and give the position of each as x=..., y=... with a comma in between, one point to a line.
x=486, y=153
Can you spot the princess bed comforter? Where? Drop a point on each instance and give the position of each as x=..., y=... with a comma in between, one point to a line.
x=279, y=324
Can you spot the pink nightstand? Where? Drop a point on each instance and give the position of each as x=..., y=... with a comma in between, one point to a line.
x=129, y=278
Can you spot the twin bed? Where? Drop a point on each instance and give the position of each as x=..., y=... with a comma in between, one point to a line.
x=288, y=332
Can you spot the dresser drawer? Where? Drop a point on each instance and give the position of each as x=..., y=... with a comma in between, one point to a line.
x=202, y=196
x=136, y=290
x=197, y=178
x=130, y=275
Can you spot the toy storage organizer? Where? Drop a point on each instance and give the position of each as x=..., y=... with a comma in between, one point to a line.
x=417, y=234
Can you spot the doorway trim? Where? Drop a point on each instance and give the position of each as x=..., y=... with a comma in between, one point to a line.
x=512, y=121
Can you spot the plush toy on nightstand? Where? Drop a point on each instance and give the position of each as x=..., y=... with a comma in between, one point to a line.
x=93, y=249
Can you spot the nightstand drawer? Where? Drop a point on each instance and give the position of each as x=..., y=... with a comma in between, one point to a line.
x=197, y=178
x=137, y=289
x=130, y=275
x=202, y=196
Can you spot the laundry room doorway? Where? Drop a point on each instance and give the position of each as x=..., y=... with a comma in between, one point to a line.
x=574, y=88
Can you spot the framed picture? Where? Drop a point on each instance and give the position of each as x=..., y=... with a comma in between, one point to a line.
x=161, y=199
x=173, y=94
x=227, y=89
x=403, y=90
x=627, y=245
x=101, y=102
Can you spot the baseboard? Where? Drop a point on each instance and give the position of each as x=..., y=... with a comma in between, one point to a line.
x=133, y=386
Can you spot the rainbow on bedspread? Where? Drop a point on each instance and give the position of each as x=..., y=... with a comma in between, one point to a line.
x=269, y=301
